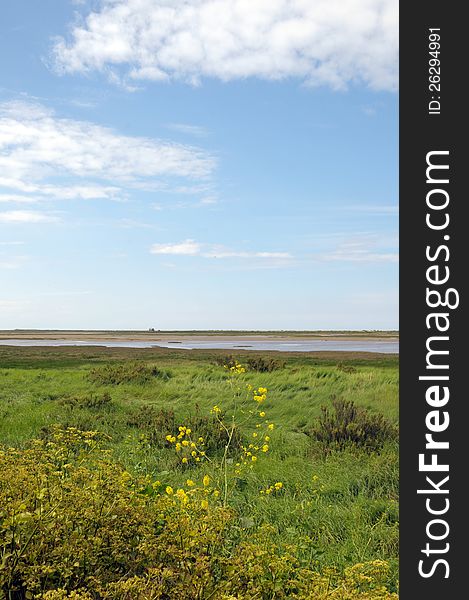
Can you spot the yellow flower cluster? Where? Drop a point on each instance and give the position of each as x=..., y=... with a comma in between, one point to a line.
x=260, y=394
x=236, y=369
x=184, y=496
x=260, y=443
x=187, y=448
x=272, y=489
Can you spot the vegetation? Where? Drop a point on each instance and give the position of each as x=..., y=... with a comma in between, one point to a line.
x=211, y=483
x=348, y=425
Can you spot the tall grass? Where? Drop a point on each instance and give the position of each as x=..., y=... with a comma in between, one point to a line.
x=338, y=509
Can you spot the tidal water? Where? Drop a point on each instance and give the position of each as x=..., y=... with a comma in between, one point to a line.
x=380, y=346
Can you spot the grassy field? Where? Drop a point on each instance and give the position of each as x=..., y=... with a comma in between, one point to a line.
x=337, y=506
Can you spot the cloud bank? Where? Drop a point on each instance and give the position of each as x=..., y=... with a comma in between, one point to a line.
x=321, y=42
x=193, y=248
x=45, y=157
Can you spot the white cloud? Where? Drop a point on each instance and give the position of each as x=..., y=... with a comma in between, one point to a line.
x=26, y=216
x=187, y=248
x=192, y=248
x=358, y=250
x=54, y=158
x=322, y=42
x=17, y=198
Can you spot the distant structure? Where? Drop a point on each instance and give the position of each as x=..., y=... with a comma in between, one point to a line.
x=151, y=329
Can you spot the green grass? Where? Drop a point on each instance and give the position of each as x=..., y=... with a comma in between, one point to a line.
x=340, y=509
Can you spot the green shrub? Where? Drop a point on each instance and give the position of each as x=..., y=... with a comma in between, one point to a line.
x=227, y=361
x=253, y=363
x=135, y=372
x=348, y=425
x=263, y=365
x=91, y=401
x=154, y=422
x=215, y=436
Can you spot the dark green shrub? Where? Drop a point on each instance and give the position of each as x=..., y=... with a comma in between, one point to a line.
x=91, y=401
x=116, y=374
x=253, y=363
x=350, y=425
x=227, y=361
x=214, y=435
x=263, y=365
x=154, y=422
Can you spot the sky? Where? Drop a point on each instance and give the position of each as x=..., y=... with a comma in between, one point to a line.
x=199, y=164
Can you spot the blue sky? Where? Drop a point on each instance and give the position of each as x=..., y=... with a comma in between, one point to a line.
x=210, y=164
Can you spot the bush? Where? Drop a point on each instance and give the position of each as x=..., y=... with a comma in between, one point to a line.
x=154, y=422
x=214, y=435
x=91, y=401
x=116, y=374
x=348, y=425
x=77, y=526
x=227, y=361
x=158, y=423
x=264, y=365
x=253, y=363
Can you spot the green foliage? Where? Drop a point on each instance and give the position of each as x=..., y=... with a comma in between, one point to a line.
x=263, y=365
x=90, y=401
x=351, y=425
x=155, y=422
x=339, y=511
x=227, y=361
x=253, y=363
x=215, y=436
x=76, y=525
x=135, y=372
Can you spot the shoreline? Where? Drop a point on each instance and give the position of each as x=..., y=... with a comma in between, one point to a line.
x=176, y=338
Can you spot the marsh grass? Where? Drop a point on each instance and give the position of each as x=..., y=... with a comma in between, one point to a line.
x=338, y=509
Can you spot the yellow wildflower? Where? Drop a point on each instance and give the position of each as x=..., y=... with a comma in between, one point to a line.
x=169, y=490
x=204, y=504
x=181, y=494
x=190, y=483
x=206, y=480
